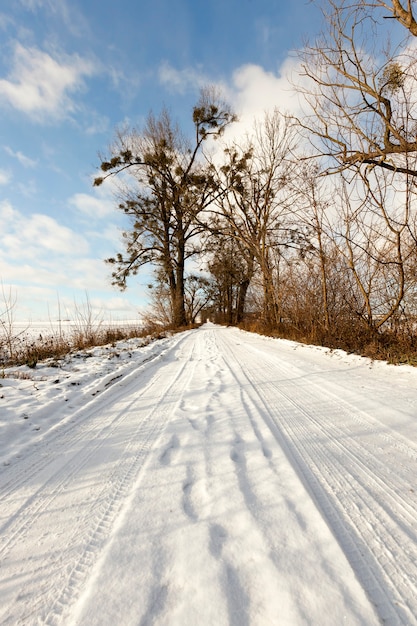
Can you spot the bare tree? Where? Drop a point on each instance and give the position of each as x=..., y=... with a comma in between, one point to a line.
x=376, y=243
x=361, y=93
x=167, y=187
x=314, y=199
x=198, y=295
x=8, y=333
x=257, y=208
x=160, y=311
x=231, y=266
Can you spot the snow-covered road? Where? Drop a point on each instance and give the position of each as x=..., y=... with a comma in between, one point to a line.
x=225, y=479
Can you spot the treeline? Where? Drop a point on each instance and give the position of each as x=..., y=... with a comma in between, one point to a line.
x=307, y=227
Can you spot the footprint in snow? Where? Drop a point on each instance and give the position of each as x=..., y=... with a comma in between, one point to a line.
x=194, y=423
x=235, y=455
x=218, y=536
x=187, y=504
x=165, y=458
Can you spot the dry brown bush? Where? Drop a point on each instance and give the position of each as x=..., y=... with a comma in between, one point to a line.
x=394, y=345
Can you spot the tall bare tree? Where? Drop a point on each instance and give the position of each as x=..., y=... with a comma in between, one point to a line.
x=198, y=295
x=313, y=199
x=231, y=266
x=166, y=188
x=376, y=242
x=257, y=208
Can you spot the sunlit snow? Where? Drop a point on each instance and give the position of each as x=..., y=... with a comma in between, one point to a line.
x=214, y=477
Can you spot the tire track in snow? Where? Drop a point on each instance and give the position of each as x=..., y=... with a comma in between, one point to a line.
x=80, y=426
x=65, y=433
x=153, y=425
x=209, y=535
x=255, y=474
x=69, y=461
x=371, y=503
x=179, y=483
x=359, y=493
x=258, y=475
x=101, y=502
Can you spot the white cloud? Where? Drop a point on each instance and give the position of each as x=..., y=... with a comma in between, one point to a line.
x=254, y=91
x=95, y=207
x=98, y=124
x=117, y=306
x=251, y=90
x=38, y=253
x=51, y=236
x=36, y=237
x=44, y=260
x=22, y=158
x=81, y=275
x=48, y=304
x=33, y=275
x=5, y=21
x=72, y=17
x=126, y=83
x=28, y=187
x=5, y=177
x=32, y=5
x=40, y=85
x=89, y=273
x=181, y=81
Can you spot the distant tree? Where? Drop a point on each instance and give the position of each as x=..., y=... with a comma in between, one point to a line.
x=313, y=199
x=257, y=208
x=231, y=265
x=8, y=335
x=198, y=295
x=166, y=188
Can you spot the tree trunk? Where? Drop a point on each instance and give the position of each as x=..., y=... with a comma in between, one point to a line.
x=179, y=313
x=270, y=308
x=241, y=299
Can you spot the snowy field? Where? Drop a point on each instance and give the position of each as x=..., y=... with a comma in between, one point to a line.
x=65, y=328
x=212, y=478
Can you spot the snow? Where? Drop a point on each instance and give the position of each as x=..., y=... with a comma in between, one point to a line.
x=212, y=477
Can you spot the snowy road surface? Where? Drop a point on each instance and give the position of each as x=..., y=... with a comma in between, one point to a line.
x=226, y=479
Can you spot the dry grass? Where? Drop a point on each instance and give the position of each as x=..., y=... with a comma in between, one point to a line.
x=88, y=329
x=25, y=350
x=396, y=346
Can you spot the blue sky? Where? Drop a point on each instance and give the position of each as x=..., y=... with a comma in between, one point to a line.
x=70, y=73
